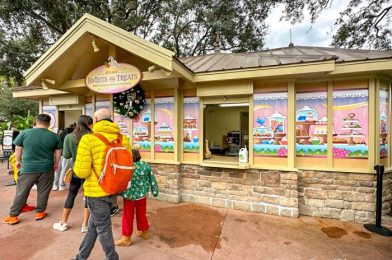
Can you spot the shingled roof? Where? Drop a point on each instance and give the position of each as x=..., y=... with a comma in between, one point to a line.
x=279, y=56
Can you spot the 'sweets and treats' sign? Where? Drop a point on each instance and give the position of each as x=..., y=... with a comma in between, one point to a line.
x=113, y=77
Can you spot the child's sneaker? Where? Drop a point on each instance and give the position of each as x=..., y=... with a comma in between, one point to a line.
x=124, y=241
x=83, y=229
x=143, y=234
x=55, y=187
x=11, y=220
x=60, y=226
x=40, y=215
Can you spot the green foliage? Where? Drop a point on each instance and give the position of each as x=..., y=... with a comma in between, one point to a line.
x=188, y=27
x=11, y=107
x=22, y=123
x=363, y=23
x=3, y=126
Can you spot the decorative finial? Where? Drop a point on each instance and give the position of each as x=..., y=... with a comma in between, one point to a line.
x=217, y=44
x=291, y=44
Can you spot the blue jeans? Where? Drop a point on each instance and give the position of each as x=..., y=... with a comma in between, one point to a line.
x=99, y=225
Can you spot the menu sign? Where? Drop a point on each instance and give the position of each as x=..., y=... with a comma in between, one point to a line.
x=7, y=140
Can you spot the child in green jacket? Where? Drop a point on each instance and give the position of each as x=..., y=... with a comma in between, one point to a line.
x=135, y=200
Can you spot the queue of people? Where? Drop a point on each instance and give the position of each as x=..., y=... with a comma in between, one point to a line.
x=86, y=149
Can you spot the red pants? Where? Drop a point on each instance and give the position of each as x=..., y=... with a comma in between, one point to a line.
x=128, y=213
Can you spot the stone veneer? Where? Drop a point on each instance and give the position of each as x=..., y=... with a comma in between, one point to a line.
x=346, y=196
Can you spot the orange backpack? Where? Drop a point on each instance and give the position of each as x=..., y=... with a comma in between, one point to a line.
x=117, y=168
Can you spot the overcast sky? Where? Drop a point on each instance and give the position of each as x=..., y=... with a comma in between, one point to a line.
x=303, y=34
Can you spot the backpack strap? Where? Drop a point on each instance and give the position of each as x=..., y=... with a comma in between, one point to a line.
x=102, y=138
x=120, y=138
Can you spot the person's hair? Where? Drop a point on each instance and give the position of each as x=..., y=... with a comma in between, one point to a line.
x=136, y=155
x=102, y=114
x=43, y=119
x=83, y=127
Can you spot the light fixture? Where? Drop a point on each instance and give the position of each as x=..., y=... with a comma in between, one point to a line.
x=45, y=83
x=234, y=105
x=95, y=47
x=44, y=86
x=152, y=68
x=156, y=67
x=167, y=73
x=50, y=81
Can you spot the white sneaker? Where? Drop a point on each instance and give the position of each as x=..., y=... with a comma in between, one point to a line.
x=55, y=187
x=63, y=188
x=83, y=229
x=34, y=187
x=60, y=226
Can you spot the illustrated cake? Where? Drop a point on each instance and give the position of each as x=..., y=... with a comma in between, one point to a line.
x=190, y=122
x=263, y=132
x=164, y=131
x=321, y=127
x=140, y=131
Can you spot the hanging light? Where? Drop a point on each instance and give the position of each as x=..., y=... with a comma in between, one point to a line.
x=95, y=47
x=45, y=82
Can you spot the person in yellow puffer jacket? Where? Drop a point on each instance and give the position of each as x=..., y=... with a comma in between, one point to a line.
x=90, y=154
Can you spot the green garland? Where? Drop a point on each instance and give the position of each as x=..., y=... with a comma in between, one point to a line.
x=130, y=102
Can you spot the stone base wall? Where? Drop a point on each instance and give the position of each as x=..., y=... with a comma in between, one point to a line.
x=344, y=196
x=387, y=193
x=168, y=178
x=269, y=192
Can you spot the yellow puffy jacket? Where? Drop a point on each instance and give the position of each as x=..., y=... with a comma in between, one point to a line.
x=91, y=151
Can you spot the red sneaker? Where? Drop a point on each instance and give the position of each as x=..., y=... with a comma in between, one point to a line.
x=40, y=215
x=11, y=220
x=27, y=208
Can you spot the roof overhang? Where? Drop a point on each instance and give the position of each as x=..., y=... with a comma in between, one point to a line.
x=89, y=25
x=322, y=67
x=36, y=93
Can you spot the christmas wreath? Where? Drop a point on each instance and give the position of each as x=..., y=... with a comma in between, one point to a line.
x=130, y=102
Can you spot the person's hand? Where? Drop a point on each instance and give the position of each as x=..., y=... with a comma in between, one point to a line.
x=18, y=164
x=55, y=166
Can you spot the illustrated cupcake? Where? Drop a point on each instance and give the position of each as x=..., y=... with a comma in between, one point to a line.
x=315, y=140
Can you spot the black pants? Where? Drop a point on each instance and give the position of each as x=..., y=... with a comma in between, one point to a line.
x=74, y=187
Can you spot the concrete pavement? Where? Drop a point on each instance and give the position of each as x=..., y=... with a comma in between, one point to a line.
x=188, y=231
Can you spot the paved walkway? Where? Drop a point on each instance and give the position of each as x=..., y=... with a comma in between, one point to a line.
x=187, y=231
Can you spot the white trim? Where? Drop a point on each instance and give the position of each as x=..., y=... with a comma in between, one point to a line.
x=164, y=100
x=191, y=100
x=350, y=93
x=312, y=95
x=270, y=96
